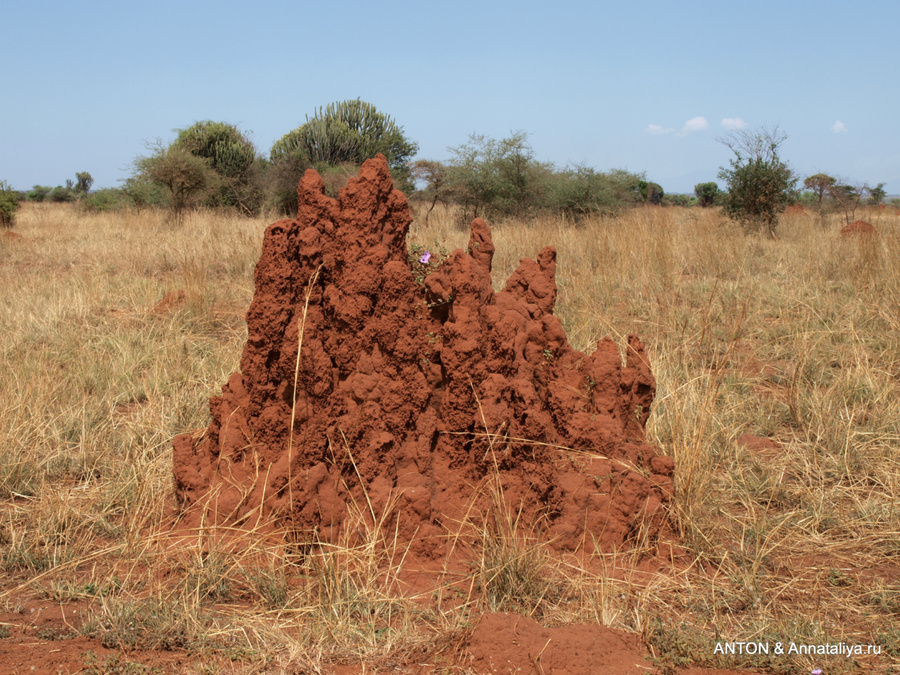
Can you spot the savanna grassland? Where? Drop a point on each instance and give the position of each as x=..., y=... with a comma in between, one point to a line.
x=778, y=371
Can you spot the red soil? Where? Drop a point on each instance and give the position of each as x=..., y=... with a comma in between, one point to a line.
x=411, y=395
x=795, y=209
x=860, y=227
x=758, y=444
x=170, y=302
x=12, y=236
x=510, y=643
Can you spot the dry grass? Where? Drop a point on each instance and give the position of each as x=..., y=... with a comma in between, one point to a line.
x=796, y=340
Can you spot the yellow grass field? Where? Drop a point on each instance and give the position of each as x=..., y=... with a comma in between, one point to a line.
x=778, y=371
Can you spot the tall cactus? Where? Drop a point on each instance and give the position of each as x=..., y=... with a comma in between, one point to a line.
x=348, y=132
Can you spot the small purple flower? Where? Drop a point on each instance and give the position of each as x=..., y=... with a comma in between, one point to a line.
x=817, y=671
x=425, y=258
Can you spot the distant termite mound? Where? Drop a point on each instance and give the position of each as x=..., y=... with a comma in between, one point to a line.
x=411, y=394
x=858, y=228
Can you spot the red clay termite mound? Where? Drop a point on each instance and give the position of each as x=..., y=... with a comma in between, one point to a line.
x=858, y=228
x=409, y=395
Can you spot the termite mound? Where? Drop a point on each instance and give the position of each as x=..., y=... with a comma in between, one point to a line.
x=410, y=395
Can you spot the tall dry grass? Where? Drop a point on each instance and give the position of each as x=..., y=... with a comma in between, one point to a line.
x=795, y=340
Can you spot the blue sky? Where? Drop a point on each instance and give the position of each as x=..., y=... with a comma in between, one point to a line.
x=642, y=86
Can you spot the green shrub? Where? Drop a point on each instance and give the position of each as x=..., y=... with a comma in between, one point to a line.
x=144, y=192
x=494, y=178
x=38, y=193
x=680, y=200
x=187, y=177
x=760, y=184
x=107, y=199
x=280, y=182
x=498, y=179
x=651, y=193
x=61, y=195
x=581, y=191
x=708, y=194
x=233, y=158
x=9, y=203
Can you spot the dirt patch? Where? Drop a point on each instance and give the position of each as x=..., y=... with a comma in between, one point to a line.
x=416, y=386
x=171, y=301
x=859, y=228
x=765, y=446
x=795, y=210
x=45, y=637
x=12, y=236
x=510, y=643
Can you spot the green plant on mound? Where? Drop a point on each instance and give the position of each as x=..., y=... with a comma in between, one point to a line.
x=511, y=565
x=425, y=260
x=9, y=203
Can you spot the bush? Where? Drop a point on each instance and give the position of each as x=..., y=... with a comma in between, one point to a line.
x=708, y=194
x=144, y=193
x=187, y=177
x=9, y=204
x=107, y=199
x=494, y=178
x=281, y=180
x=71, y=192
x=651, y=193
x=232, y=157
x=760, y=184
x=61, y=195
x=580, y=191
x=680, y=200
x=38, y=193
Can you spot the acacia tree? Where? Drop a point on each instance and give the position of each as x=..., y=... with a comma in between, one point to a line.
x=848, y=197
x=759, y=183
x=877, y=195
x=434, y=175
x=491, y=178
x=186, y=176
x=820, y=185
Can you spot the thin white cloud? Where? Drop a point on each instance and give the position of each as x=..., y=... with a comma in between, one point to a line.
x=657, y=130
x=694, y=124
x=839, y=128
x=732, y=123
